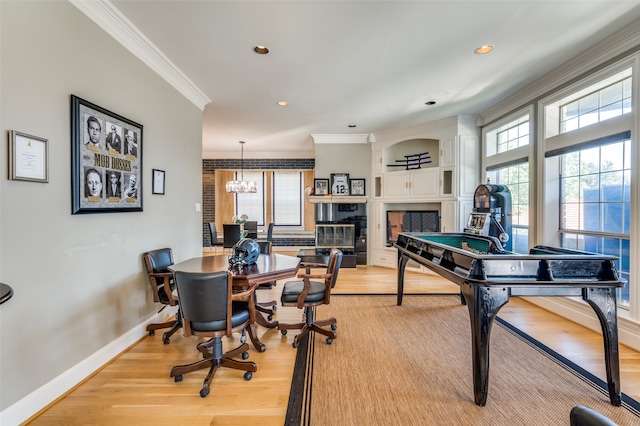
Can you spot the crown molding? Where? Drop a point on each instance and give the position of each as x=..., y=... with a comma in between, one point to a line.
x=110, y=19
x=625, y=40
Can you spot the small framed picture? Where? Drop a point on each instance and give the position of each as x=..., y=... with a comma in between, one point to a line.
x=339, y=183
x=28, y=157
x=357, y=186
x=321, y=186
x=158, y=182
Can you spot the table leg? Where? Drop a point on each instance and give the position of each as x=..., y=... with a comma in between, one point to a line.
x=484, y=304
x=402, y=263
x=603, y=302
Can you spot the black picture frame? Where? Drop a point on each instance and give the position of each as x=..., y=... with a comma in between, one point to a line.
x=357, y=186
x=321, y=186
x=106, y=160
x=158, y=182
x=339, y=184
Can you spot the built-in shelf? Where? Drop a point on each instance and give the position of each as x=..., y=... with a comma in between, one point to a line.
x=337, y=199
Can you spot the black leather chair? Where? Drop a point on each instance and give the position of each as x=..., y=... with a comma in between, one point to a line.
x=308, y=294
x=270, y=232
x=230, y=234
x=208, y=310
x=213, y=237
x=583, y=416
x=251, y=227
x=163, y=285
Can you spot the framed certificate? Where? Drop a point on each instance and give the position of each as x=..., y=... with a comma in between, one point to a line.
x=340, y=184
x=28, y=157
x=158, y=182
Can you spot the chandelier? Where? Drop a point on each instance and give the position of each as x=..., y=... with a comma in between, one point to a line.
x=241, y=185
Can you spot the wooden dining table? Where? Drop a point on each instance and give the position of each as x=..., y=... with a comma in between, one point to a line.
x=268, y=267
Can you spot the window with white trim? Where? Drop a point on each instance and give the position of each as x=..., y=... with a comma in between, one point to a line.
x=287, y=198
x=252, y=204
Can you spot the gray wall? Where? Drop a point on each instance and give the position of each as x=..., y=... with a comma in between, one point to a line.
x=354, y=159
x=78, y=279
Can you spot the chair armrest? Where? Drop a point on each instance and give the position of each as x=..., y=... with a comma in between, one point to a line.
x=314, y=276
x=166, y=283
x=242, y=295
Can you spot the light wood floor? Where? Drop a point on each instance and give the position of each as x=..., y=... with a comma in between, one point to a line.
x=135, y=388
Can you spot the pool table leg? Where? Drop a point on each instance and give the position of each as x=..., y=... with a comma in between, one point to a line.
x=603, y=302
x=402, y=263
x=484, y=304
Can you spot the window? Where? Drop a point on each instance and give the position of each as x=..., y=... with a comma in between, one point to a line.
x=508, y=150
x=516, y=178
x=595, y=203
x=252, y=204
x=606, y=103
x=287, y=198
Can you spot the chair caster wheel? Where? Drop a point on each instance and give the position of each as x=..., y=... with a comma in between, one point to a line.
x=178, y=378
x=274, y=309
x=166, y=341
x=334, y=327
x=152, y=332
x=295, y=344
x=329, y=340
x=245, y=355
x=204, y=392
x=284, y=332
x=269, y=317
x=248, y=375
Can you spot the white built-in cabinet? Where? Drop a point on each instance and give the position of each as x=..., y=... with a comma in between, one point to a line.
x=447, y=183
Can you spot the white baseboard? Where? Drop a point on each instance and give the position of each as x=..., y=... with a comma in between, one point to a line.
x=49, y=392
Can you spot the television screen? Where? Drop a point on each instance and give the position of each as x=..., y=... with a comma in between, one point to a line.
x=411, y=221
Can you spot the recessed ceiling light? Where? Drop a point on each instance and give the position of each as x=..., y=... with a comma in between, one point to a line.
x=262, y=50
x=482, y=50
x=283, y=103
x=352, y=125
x=430, y=103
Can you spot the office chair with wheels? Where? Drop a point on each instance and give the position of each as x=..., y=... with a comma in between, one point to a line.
x=208, y=310
x=213, y=237
x=162, y=282
x=308, y=294
x=268, y=308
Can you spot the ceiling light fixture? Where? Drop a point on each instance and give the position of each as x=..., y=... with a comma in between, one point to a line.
x=283, y=103
x=352, y=125
x=430, y=103
x=261, y=50
x=240, y=186
x=483, y=50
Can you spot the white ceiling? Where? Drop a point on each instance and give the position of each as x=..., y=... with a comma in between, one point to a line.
x=369, y=63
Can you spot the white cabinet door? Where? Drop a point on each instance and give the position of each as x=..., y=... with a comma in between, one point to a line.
x=447, y=153
x=424, y=183
x=448, y=216
x=396, y=185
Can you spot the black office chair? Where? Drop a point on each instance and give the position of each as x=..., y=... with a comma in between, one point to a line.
x=270, y=232
x=213, y=238
x=163, y=285
x=208, y=310
x=583, y=416
x=251, y=227
x=230, y=234
x=308, y=294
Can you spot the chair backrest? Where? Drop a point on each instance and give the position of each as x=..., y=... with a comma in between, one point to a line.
x=213, y=234
x=205, y=301
x=230, y=234
x=333, y=267
x=270, y=232
x=265, y=247
x=158, y=262
x=252, y=229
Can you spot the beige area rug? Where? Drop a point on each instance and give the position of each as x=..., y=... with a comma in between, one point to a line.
x=411, y=365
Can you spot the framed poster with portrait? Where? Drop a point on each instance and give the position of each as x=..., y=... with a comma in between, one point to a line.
x=321, y=186
x=339, y=183
x=106, y=160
